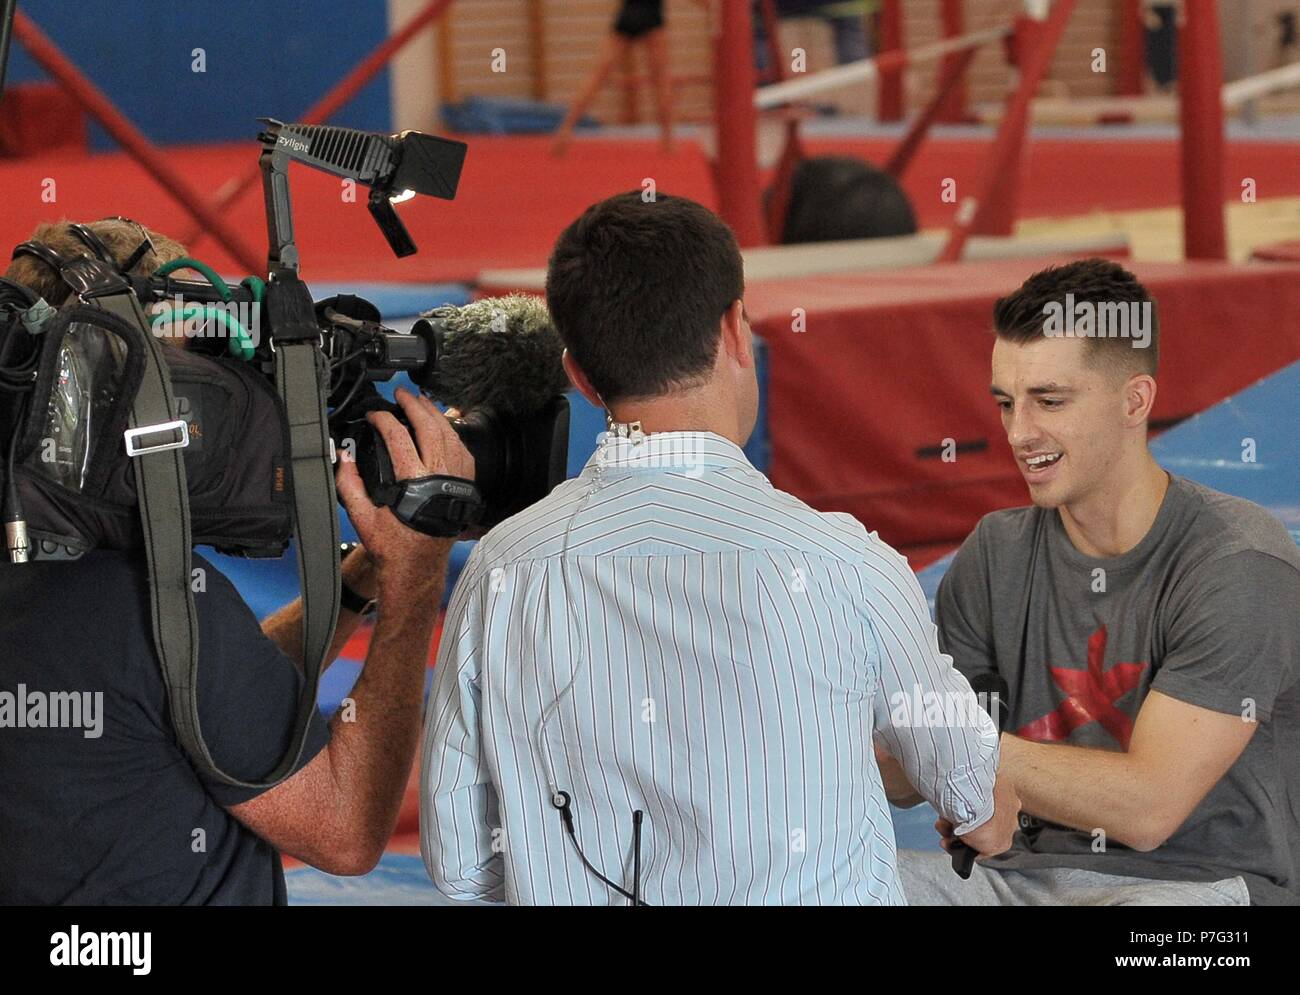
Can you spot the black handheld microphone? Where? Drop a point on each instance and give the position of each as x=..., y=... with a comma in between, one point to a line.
x=996, y=693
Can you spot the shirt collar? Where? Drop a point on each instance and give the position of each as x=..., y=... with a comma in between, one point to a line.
x=679, y=451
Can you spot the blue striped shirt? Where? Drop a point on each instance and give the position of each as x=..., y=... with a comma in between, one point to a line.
x=668, y=632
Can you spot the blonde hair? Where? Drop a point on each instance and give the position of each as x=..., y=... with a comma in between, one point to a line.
x=120, y=237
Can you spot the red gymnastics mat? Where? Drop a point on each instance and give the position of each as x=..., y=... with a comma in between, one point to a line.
x=515, y=199
x=892, y=363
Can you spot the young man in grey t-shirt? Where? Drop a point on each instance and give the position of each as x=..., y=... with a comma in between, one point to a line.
x=1147, y=629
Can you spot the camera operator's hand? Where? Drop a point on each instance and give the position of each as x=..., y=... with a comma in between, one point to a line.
x=435, y=449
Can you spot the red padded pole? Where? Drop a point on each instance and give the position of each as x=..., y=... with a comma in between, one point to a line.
x=953, y=108
x=889, y=96
x=736, y=123
x=993, y=208
x=1200, y=99
x=1132, y=47
x=952, y=75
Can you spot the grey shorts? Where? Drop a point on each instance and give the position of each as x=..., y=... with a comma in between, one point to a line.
x=928, y=879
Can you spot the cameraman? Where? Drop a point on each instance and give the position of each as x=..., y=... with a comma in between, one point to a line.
x=111, y=811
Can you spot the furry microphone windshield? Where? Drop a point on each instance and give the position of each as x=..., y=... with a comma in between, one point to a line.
x=501, y=353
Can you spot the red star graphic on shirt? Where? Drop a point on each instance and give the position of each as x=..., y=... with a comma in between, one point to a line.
x=1090, y=696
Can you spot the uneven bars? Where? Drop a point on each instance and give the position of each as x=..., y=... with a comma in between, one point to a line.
x=1240, y=91
x=866, y=69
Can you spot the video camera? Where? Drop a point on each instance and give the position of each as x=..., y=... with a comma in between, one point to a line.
x=520, y=450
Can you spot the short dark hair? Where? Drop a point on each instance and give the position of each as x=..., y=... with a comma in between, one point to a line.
x=636, y=289
x=1021, y=317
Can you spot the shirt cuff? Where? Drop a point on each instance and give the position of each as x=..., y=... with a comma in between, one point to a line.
x=968, y=794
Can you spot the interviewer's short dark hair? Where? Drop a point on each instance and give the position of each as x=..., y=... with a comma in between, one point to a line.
x=636, y=289
x=1020, y=317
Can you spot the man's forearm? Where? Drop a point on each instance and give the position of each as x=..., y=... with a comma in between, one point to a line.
x=373, y=740
x=898, y=789
x=1086, y=789
x=284, y=627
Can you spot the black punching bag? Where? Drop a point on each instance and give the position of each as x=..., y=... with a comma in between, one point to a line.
x=837, y=197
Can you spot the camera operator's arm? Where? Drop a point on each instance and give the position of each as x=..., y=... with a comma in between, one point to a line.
x=284, y=627
x=339, y=811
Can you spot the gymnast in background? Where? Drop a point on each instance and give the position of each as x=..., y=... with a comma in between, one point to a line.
x=637, y=21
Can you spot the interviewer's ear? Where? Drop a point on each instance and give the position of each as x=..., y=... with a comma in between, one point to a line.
x=736, y=337
x=579, y=380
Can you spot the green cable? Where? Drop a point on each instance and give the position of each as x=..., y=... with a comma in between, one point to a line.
x=256, y=285
x=241, y=345
x=243, y=348
x=186, y=262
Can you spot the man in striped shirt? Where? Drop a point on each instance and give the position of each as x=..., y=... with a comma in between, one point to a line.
x=663, y=682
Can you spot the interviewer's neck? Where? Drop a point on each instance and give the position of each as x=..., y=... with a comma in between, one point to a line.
x=700, y=410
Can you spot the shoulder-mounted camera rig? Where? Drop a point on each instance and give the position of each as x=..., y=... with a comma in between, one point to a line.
x=233, y=446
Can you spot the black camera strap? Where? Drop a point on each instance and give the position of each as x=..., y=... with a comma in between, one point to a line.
x=156, y=443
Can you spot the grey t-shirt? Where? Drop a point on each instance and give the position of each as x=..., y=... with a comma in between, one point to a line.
x=1205, y=609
